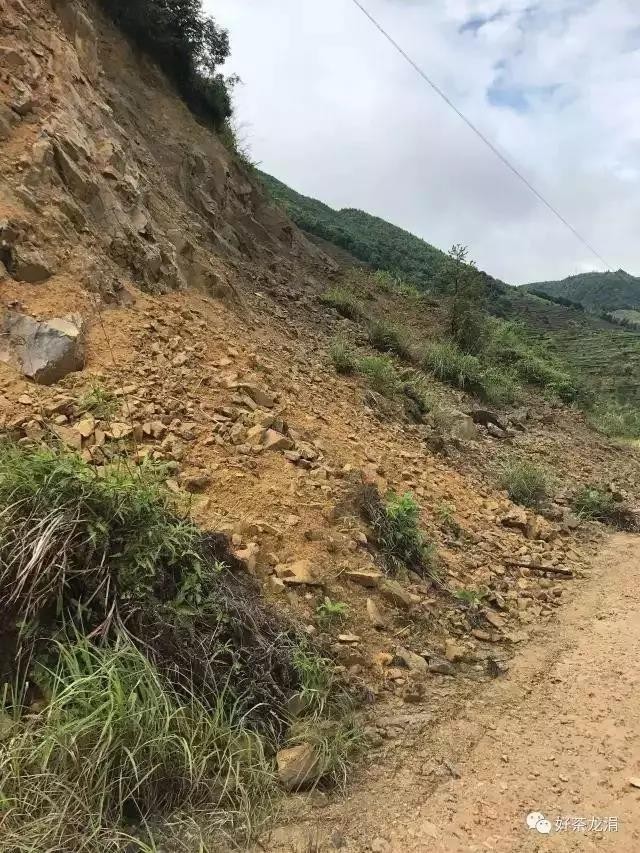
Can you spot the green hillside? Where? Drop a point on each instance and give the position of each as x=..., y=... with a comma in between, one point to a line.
x=596, y=291
x=567, y=325
x=367, y=238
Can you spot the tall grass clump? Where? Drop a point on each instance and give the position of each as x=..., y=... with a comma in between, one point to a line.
x=342, y=356
x=380, y=373
x=449, y=364
x=387, y=337
x=526, y=483
x=344, y=302
x=595, y=503
x=418, y=400
x=116, y=748
x=615, y=420
x=100, y=402
x=508, y=346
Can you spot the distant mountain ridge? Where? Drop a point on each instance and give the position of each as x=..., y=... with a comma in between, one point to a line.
x=596, y=291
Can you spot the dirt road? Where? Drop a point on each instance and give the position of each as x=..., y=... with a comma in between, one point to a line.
x=558, y=736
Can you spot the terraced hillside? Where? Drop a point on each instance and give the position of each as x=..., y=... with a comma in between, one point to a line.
x=596, y=291
x=608, y=360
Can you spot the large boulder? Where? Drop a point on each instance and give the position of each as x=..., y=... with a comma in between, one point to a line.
x=30, y=265
x=43, y=350
x=455, y=424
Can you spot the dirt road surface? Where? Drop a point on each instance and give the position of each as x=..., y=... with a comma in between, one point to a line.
x=558, y=736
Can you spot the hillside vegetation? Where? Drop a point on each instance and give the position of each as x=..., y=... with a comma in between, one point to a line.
x=368, y=238
x=564, y=340
x=595, y=291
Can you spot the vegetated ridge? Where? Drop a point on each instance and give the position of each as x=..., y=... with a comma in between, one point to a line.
x=596, y=291
x=548, y=323
x=368, y=238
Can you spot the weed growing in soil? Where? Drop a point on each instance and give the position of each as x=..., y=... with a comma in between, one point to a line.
x=595, y=503
x=344, y=302
x=100, y=402
x=470, y=596
x=526, y=483
x=330, y=611
x=343, y=357
x=445, y=513
x=395, y=522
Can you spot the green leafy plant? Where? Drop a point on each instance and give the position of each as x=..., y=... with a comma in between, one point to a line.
x=343, y=357
x=395, y=522
x=526, y=483
x=332, y=611
x=100, y=402
x=470, y=596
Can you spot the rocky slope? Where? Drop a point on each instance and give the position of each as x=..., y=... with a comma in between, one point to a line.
x=197, y=320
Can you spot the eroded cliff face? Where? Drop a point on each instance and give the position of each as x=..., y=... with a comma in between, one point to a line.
x=105, y=176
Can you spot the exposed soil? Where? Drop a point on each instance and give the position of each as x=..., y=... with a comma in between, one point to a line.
x=557, y=735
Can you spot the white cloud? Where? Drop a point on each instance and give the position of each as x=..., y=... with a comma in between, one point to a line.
x=333, y=111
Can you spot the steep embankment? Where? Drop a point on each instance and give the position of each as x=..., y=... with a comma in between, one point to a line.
x=203, y=343
x=107, y=177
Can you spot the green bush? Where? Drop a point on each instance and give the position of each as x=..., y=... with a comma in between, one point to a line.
x=386, y=337
x=344, y=302
x=380, y=373
x=615, y=420
x=395, y=522
x=186, y=44
x=343, y=357
x=526, y=483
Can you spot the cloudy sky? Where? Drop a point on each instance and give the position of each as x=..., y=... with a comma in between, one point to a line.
x=330, y=108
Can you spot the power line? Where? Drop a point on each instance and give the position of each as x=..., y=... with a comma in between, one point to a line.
x=479, y=133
